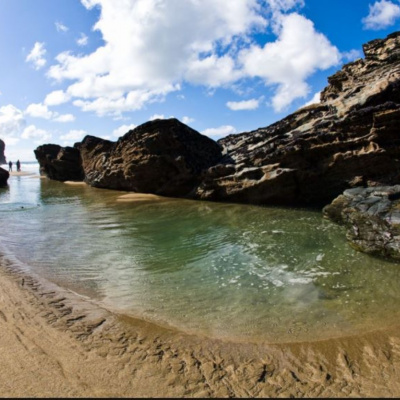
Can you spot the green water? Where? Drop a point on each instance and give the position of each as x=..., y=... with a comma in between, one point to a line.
x=222, y=270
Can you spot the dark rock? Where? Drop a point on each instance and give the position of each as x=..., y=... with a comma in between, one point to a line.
x=372, y=218
x=4, y=175
x=164, y=157
x=2, y=156
x=60, y=163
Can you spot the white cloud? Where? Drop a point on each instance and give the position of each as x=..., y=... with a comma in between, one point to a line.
x=61, y=27
x=37, y=135
x=12, y=122
x=298, y=52
x=152, y=47
x=39, y=110
x=352, y=55
x=382, y=14
x=83, y=40
x=36, y=56
x=73, y=136
x=219, y=132
x=187, y=120
x=157, y=116
x=243, y=105
x=56, y=98
x=65, y=118
x=315, y=99
x=123, y=129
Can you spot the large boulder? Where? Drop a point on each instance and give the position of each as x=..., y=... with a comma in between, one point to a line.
x=350, y=139
x=165, y=157
x=60, y=163
x=2, y=156
x=371, y=217
x=4, y=175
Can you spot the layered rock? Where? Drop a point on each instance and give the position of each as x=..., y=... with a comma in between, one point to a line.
x=164, y=157
x=350, y=139
x=372, y=218
x=4, y=175
x=2, y=156
x=60, y=163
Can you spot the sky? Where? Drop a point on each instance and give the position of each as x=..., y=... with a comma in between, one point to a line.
x=71, y=68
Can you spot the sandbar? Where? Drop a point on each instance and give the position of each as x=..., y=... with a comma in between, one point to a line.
x=55, y=343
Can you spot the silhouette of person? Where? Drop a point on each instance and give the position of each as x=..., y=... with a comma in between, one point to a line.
x=10, y=166
x=18, y=166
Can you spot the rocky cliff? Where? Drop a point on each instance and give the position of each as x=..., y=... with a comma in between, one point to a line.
x=2, y=155
x=348, y=140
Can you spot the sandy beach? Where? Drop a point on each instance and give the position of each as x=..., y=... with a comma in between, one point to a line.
x=55, y=343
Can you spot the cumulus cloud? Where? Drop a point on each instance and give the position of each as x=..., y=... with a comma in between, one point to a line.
x=187, y=120
x=123, y=129
x=83, y=40
x=152, y=47
x=243, y=105
x=315, y=99
x=382, y=14
x=56, y=98
x=65, y=118
x=220, y=131
x=37, y=135
x=12, y=122
x=73, y=136
x=36, y=56
x=298, y=52
x=61, y=27
x=39, y=110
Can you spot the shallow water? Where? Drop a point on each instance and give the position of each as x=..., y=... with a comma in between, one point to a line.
x=230, y=271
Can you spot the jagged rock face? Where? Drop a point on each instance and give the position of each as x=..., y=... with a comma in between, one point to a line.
x=2, y=156
x=59, y=163
x=164, y=157
x=350, y=139
x=4, y=175
x=372, y=218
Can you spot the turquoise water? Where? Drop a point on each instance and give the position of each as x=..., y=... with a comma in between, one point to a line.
x=223, y=270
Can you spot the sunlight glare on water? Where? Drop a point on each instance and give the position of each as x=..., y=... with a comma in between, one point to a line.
x=231, y=271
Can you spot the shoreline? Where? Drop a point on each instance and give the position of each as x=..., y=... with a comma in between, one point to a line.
x=59, y=344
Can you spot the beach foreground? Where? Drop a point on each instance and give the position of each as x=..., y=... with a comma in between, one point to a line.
x=55, y=343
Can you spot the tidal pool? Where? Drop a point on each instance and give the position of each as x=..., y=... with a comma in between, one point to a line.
x=237, y=272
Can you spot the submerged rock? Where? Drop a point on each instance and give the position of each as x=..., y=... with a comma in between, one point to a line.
x=349, y=139
x=372, y=218
x=4, y=175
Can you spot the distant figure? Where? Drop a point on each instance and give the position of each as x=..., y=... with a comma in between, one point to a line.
x=18, y=166
x=10, y=166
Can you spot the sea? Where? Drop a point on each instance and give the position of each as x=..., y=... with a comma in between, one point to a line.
x=227, y=271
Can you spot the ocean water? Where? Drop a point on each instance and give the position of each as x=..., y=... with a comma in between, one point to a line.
x=235, y=272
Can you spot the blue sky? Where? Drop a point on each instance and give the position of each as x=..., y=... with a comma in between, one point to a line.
x=74, y=67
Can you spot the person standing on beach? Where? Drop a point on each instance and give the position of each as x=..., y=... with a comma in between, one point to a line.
x=18, y=166
x=10, y=166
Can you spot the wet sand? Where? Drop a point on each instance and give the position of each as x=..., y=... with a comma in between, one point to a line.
x=22, y=173
x=55, y=343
